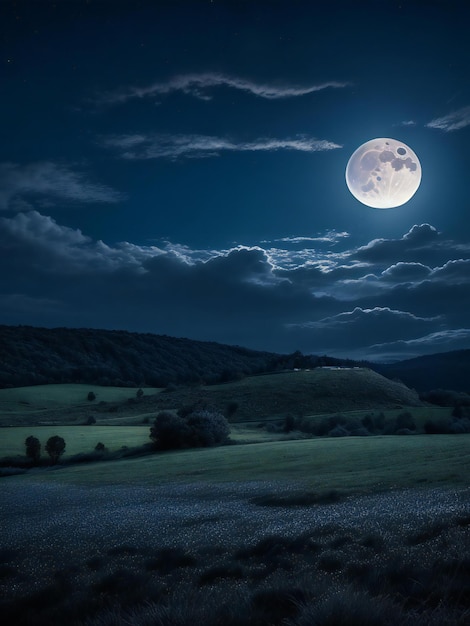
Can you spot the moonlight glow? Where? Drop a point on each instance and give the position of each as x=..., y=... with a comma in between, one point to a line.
x=383, y=173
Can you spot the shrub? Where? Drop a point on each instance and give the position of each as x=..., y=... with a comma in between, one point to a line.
x=436, y=428
x=208, y=428
x=91, y=396
x=289, y=423
x=199, y=428
x=405, y=420
x=446, y=397
x=139, y=393
x=55, y=447
x=459, y=426
x=100, y=447
x=231, y=409
x=169, y=431
x=33, y=448
x=339, y=431
x=90, y=420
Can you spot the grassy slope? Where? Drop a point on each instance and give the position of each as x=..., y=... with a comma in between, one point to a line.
x=348, y=464
x=304, y=392
x=268, y=396
x=115, y=434
x=44, y=397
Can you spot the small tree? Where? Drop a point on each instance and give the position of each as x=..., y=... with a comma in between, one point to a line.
x=33, y=448
x=55, y=447
x=91, y=396
x=139, y=393
x=100, y=447
x=90, y=420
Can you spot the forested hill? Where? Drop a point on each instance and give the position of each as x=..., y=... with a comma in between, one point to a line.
x=30, y=355
x=445, y=370
x=36, y=356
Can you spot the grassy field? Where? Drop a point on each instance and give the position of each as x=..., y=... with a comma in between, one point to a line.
x=45, y=397
x=361, y=576
x=274, y=396
x=257, y=397
x=77, y=438
x=352, y=464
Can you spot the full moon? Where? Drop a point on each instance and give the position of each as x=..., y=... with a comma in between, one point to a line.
x=383, y=173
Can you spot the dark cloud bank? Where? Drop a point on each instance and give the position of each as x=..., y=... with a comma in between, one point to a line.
x=389, y=299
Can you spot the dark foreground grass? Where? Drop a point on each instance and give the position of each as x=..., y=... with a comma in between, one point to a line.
x=325, y=577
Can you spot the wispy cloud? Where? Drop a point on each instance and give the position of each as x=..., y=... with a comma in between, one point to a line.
x=198, y=85
x=406, y=123
x=440, y=341
x=330, y=236
x=49, y=181
x=140, y=147
x=453, y=121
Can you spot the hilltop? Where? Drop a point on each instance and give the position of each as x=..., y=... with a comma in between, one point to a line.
x=322, y=390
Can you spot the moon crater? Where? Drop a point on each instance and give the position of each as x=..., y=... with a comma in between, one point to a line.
x=383, y=173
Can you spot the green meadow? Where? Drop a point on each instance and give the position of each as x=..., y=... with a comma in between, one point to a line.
x=351, y=464
x=20, y=400
x=78, y=439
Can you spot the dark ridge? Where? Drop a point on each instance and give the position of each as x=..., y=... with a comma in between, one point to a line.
x=445, y=370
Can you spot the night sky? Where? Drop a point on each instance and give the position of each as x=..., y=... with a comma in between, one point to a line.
x=179, y=168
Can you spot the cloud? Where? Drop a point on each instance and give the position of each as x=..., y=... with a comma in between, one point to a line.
x=412, y=247
x=351, y=330
x=453, y=121
x=200, y=85
x=275, y=299
x=349, y=318
x=48, y=180
x=403, y=272
x=440, y=341
x=37, y=241
x=140, y=147
x=406, y=123
x=330, y=236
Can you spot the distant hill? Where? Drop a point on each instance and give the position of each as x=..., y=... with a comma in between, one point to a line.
x=445, y=370
x=321, y=390
x=34, y=356
x=255, y=398
x=38, y=356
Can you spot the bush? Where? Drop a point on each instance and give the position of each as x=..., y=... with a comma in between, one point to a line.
x=460, y=426
x=405, y=420
x=139, y=393
x=33, y=448
x=446, y=397
x=339, y=431
x=55, y=447
x=197, y=429
x=441, y=427
x=100, y=447
x=289, y=423
x=90, y=420
x=208, y=428
x=169, y=431
x=91, y=396
x=231, y=409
